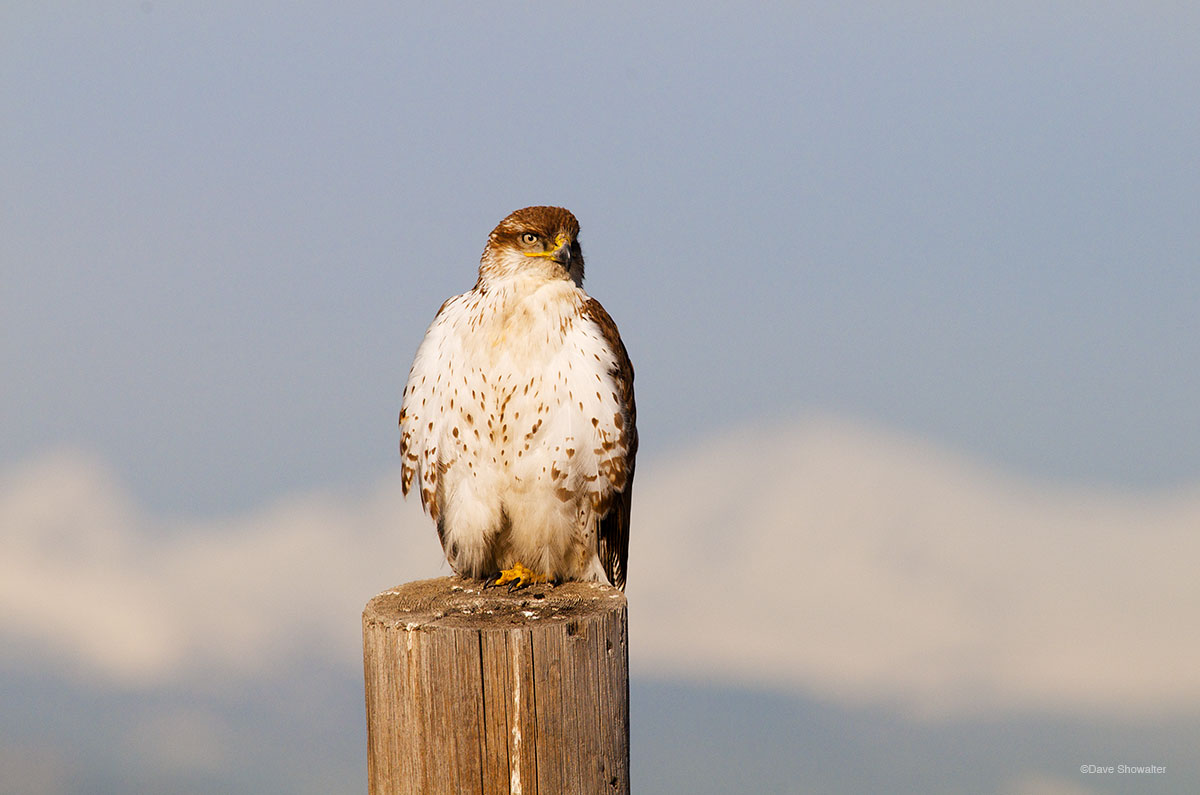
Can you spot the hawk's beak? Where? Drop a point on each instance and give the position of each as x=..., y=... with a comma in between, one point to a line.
x=562, y=254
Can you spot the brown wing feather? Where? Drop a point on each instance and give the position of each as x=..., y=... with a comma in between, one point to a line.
x=613, y=533
x=414, y=444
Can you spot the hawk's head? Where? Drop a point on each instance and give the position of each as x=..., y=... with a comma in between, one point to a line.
x=538, y=240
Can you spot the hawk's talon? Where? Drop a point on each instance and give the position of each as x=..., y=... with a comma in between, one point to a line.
x=517, y=577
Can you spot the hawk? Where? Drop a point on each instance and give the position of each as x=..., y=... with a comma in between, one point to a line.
x=518, y=424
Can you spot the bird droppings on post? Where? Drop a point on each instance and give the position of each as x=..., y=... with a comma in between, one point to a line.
x=558, y=602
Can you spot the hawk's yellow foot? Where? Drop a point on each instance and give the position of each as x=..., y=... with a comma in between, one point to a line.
x=518, y=577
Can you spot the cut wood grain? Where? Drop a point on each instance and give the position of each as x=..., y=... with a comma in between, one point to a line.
x=482, y=691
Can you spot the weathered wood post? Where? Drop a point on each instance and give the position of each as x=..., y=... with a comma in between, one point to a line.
x=482, y=691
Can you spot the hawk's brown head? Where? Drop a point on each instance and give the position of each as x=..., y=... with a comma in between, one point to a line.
x=542, y=239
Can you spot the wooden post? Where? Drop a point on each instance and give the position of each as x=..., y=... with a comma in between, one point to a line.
x=482, y=691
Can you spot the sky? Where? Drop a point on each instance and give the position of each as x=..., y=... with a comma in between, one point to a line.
x=910, y=290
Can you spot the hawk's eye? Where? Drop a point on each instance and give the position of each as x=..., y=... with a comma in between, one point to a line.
x=529, y=238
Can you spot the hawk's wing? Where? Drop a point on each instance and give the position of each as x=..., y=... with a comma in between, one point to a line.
x=421, y=414
x=619, y=441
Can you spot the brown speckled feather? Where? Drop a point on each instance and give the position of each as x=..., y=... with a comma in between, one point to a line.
x=614, y=526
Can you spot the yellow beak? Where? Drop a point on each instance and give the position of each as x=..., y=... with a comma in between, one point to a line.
x=562, y=254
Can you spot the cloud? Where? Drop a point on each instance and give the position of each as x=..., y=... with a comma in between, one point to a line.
x=850, y=563
x=875, y=567
x=91, y=583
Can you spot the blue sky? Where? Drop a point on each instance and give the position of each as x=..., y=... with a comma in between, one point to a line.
x=225, y=226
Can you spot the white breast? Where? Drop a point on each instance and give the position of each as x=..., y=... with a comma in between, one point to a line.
x=509, y=412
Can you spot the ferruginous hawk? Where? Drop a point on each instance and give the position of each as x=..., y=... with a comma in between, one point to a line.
x=518, y=422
